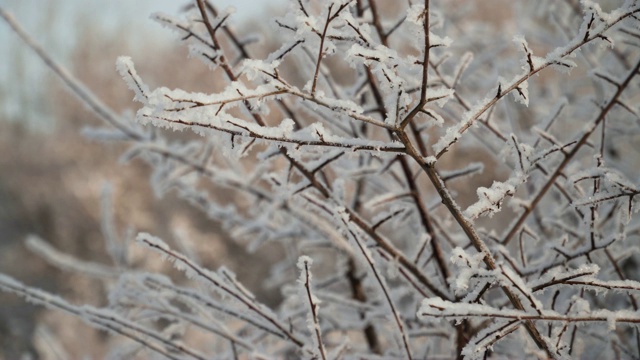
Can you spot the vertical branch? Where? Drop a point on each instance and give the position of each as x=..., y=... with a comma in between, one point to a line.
x=212, y=34
x=223, y=62
x=425, y=69
x=323, y=37
x=377, y=22
x=425, y=56
x=321, y=51
x=472, y=234
x=304, y=262
x=357, y=292
x=425, y=219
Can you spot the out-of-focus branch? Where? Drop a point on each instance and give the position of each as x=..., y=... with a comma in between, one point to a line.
x=77, y=88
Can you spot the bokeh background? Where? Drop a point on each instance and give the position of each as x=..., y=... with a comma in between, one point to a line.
x=52, y=177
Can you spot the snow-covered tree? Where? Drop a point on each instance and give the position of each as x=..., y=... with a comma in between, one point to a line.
x=458, y=189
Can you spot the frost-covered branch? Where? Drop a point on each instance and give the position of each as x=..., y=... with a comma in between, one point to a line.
x=103, y=319
x=584, y=137
x=319, y=150
x=183, y=263
x=304, y=263
x=590, y=31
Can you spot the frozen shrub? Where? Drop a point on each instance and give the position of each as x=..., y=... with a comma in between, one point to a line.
x=351, y=145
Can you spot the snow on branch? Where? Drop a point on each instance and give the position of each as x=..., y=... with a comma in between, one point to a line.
x=328, y=148
x=218, y=283
x=436, y=307
x=103, y=319
x=304, y=264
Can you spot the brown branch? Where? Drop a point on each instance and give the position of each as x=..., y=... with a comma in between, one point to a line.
x=425, y=70
x=321, y=51
x=313, y=305
x=581, y=142
x=516, y=84
x=469, y=230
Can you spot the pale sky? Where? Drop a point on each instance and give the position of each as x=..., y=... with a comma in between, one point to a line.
x=55, y=24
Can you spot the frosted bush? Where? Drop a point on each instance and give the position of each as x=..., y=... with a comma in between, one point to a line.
x=373, y=178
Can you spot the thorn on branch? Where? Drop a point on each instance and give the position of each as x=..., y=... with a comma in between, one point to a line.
x=587, y=32
x=285, y=26
x=515, y=144
x=529, y=57
x=605, y=38
x=304, y=11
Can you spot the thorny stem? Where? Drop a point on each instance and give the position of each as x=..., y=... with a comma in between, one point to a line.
x=425, y=219
x=493, y=130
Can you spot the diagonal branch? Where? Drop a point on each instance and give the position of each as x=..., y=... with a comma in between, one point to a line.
x=472, y=234
x=425, y=69
x=569, y=156
x=503, y=91
x=77, y=88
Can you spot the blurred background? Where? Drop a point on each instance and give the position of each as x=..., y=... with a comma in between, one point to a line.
x=52, y=178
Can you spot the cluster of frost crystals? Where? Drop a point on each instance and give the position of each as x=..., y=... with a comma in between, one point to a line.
x=490, y=199
x=468, y=265
x=386, y=165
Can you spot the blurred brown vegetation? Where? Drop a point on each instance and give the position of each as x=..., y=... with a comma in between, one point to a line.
x=51, y=183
